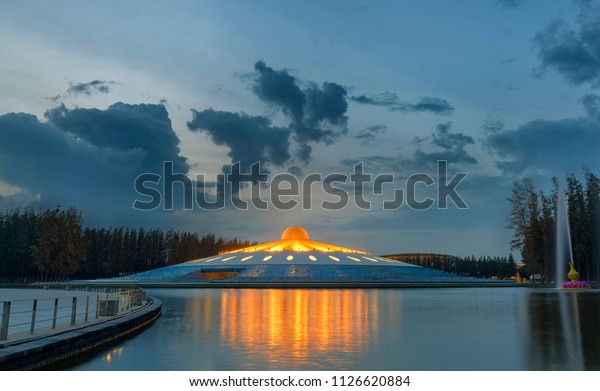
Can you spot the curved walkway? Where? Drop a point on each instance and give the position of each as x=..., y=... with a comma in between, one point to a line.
x=22, y=352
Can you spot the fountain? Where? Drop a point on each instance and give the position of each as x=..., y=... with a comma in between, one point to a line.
x=564, y=247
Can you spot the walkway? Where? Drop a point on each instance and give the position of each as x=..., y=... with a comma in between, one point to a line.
x=78, y=327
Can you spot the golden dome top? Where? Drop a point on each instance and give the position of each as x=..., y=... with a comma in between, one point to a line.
x=295, y=239
x=294, y=233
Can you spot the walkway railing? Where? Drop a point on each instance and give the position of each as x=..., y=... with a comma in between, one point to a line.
x=64, y=309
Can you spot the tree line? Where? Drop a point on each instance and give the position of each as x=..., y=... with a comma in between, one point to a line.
x=532, y=218
x=482, y=267
x=53, y=244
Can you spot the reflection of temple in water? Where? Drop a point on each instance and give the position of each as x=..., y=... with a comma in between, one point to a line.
x=292, y=327
x=562, y=331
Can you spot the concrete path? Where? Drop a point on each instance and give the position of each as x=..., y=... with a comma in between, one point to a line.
x=23, y=350
x=21, y=311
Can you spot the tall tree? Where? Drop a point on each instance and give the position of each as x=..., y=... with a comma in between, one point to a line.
x=522, y=220
x=59, y=245
x=579, y=225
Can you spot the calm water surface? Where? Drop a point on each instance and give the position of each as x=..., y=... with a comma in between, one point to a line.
x=365, y=329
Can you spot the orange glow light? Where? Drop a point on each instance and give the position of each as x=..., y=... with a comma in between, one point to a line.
x=296, y=239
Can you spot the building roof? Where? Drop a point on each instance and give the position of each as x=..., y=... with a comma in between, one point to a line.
x=296, y=239
x=294, y=258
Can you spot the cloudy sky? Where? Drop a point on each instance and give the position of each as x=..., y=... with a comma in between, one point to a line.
x=94, y=94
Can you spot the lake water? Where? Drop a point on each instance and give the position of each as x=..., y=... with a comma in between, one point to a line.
x=364, y=329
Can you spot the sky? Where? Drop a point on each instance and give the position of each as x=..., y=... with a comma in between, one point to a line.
x=95, y=94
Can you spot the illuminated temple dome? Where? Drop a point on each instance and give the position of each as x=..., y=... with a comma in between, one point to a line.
x=293, y=260
x=296, y=239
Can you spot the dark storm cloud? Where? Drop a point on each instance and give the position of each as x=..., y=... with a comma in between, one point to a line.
x=87, y=158
x=441, y=145
x=325, y=105
x=368, y=135
x=144, y=127
x=40, y=158
x=250, y=139
x=393, y=103
x=573, y=51
x=555, y=146
x=280, y=88
x=317, y=113
x=29, y=145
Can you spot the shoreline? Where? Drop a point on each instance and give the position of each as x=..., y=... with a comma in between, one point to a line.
x=288, y=285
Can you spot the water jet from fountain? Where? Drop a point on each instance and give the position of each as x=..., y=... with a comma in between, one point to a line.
x=564, y=250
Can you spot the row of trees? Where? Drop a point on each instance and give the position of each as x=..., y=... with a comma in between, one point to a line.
x=53, y=244
x=47, y=244
x=119, y=251
x=482, y=267
x=533, y=219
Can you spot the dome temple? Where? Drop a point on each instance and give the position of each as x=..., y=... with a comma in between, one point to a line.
x=293, y=260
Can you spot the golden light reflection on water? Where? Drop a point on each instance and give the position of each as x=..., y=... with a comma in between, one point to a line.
x=108, y=356
x=366, y=329
x=289, y=328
